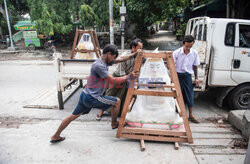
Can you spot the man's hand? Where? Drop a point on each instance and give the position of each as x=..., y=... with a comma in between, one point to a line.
x=133, y=75
x=196, y=83
x=139, y=51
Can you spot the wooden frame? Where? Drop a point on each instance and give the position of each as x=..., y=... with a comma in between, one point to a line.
x=156, y=134
x=94, y=41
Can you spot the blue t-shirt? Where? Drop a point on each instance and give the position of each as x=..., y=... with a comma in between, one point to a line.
x=95, y=82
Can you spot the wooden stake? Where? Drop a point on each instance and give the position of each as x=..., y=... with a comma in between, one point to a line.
x=142, y=145
x=176, y=146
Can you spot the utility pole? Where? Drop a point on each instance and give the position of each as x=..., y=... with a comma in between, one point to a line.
x=8, y=22
x=111, y=22
x=122, y=13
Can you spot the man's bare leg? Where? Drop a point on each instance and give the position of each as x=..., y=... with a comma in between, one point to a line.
x=191, y=116
x=114, y=114
x=99, y=115
x=63, y=125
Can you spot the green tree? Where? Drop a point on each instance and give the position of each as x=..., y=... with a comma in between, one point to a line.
x=50, y=16
x=146, y=12
x=87, y=16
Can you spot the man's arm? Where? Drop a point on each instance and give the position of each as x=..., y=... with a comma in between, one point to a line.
x=126, y=57
x=196, y=75
x=120, y=59
x=119, y=80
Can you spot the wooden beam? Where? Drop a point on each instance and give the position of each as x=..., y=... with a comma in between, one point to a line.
x=130, y=93
x=179, y=98
x=155, y=85
x=154, y=138
x=178, y=107
x=74, y=45
x=131, y=103
x=154, y=55
x=153, y=131
x=155, y=93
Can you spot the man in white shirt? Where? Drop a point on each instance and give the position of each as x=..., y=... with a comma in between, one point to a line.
x=186, y=61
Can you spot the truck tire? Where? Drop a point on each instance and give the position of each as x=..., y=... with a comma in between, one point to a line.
x=239, y=98
x=31, y=47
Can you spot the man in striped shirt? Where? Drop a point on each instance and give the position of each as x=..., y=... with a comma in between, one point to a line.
x=124, y=68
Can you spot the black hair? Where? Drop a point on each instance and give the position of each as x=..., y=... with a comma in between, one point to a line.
x=110, y=48
x=188, y=38
x=135, y=42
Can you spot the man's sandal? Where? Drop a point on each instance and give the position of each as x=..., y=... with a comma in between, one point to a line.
x=114, y=126
x=98, y=117
x=194, y=120
x=57, y=140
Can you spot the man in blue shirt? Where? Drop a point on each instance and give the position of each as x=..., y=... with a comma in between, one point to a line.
x=92, y=95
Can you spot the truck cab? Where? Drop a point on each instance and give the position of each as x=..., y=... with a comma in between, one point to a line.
x=223, y=46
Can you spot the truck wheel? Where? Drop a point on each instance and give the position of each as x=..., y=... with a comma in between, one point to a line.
x=240, y=98
x=3, y=46
x=31, y=47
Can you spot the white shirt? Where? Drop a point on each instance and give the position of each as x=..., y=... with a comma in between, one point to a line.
x=184, y=63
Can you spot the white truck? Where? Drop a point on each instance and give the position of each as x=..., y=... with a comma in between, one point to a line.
x=223, y=46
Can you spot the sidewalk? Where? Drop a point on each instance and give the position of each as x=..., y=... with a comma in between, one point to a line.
x=95, y=142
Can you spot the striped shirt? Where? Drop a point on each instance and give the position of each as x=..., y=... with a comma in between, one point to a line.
x=126, y=67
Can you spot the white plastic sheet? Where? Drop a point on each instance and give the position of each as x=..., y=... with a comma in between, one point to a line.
x=154, y=111
x=85, y=43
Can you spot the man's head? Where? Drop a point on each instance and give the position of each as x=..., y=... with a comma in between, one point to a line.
x=110, y=53
x=188, y=42
x=136, y=44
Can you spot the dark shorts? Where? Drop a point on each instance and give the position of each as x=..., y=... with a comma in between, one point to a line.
x=87, y=102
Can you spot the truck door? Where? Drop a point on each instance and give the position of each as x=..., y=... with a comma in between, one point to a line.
x=240, y=63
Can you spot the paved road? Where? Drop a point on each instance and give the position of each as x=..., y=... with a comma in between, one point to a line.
x=26, y=131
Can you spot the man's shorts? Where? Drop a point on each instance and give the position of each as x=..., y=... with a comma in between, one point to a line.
x=87, y=102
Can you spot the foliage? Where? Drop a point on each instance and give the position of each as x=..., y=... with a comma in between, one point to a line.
x=146, y=12
x=87, y=16
x=50, y=16
x=57, y=16
x=181, y=31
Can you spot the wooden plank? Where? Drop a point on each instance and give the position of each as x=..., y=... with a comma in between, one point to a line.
x=131, y=103
x=154, y=85
x=178, y=107
x=155, y=93
x=153, y=131
x=74, y=45
x=154, y=138
x=84, y=31
x=130, y=93
x=98, y=45
x=154, y=55
x=175, y=80
x=93, y=41
x=142, y=145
